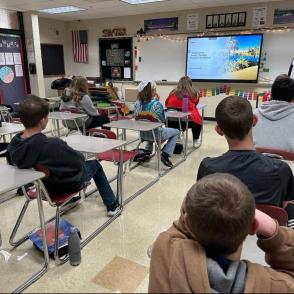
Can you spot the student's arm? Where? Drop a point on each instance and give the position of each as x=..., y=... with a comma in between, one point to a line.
x=160, y=265
x=137, y=108
x=159, y=111
x=203, y=171
x=277, y=242
x=88, y=106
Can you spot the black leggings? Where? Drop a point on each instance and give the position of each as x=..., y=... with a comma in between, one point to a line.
x=98, y=121
x=196, y=129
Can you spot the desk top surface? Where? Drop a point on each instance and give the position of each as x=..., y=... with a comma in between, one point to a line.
x=134, y=125
x=177, y=114
x=10, y=128
x=65, y=115
x=13, y=178
x=89, y=144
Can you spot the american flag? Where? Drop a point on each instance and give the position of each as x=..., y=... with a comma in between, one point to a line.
x=80, y=46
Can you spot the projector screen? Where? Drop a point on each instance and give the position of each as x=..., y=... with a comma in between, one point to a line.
x=230, y=58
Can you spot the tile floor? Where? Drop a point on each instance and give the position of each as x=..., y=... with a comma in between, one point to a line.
x=121, y=248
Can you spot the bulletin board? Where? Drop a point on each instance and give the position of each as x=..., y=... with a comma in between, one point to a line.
x=13, y=85
x=116, y=58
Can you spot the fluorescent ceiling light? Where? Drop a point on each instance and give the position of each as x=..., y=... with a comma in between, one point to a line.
x=140, y=1
x=63, y=9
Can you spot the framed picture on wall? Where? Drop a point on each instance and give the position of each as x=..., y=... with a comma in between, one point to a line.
x=235, y=19
x=209, y=21
x=215, y=21
x=228, y=20
x=242, y=19
x=222, y=21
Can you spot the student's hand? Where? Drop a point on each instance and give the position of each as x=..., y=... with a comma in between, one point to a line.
x=266, y=226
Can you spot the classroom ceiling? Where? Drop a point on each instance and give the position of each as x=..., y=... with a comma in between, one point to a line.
x=112, y=8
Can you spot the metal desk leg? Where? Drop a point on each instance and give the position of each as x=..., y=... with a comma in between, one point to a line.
x=120, y=178
x=58, y=128
x=84, y=127
x=158, y=145
x=186, y=138
x=40, y=273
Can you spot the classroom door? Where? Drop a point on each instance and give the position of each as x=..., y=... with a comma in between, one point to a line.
x=13, y=83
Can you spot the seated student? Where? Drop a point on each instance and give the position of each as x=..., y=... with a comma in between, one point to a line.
x=175, y=100
x=276, y=117
x=147, y=102
x=68, y=168
x=269, y=180
x=77, y=97
x=201, y=252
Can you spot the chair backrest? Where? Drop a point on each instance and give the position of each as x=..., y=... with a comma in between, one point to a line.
x=276, y=153
x=70, y=109
x=43, y=169
x=101, y=133
x=147, y=116
x=275, y=212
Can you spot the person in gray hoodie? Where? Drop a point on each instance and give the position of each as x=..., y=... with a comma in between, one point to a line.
x=276, y=117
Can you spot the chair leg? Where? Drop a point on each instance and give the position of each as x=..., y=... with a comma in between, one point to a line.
x=16, y=227
x=58, y=260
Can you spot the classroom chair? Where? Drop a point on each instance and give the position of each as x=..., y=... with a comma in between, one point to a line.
x=55, y=200
x=112, y=155
x=275, y=212
x=71, y=125
x=276, y=153
x=148, y=117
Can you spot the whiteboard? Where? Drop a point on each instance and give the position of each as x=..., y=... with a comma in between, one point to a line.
x=279, y=47
x=166, y=60
x=161, y=60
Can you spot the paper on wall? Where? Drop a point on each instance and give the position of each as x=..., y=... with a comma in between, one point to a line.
x=18, y=70
x=127, y=72
x=9, y=58
x=259, y=16
x=2, y=59
x=17, y=58
x=192, y=22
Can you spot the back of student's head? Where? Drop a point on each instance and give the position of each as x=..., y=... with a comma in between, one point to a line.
x=234, y=117
x=283, y=88
x=79, y=88
x=220, y=211
x=32, y=110
x=146, y=90
x=185, y=88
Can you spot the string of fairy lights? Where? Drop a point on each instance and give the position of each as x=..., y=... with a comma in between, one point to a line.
x=183, y=38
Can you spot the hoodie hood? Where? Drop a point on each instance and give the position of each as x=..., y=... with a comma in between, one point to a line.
x=25, y=152
x=231, y=281
x=276, y=110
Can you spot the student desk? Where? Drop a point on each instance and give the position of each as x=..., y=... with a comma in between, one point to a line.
x=13, y=178
x=56, y=116
x=94, y=145
x=141, y=126
x=109, y=108
x=180, y=116
x=201, y=106
x=10, y=129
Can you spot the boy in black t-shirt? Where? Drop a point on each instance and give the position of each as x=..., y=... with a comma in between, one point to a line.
x=269, y=180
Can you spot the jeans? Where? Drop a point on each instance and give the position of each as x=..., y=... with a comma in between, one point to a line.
x=169, y=134
x=97, y=121
x=93, y=169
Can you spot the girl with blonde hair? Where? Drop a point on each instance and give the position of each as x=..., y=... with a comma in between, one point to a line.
x=77, y=97
x=175, y=101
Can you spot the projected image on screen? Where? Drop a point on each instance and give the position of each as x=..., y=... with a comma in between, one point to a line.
x=224, y=58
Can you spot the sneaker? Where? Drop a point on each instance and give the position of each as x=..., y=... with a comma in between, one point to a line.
x=72, y=203
x=196, y=143
x=165, y=159
x=112, y=213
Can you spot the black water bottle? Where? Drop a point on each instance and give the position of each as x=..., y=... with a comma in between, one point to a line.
x=74, y=247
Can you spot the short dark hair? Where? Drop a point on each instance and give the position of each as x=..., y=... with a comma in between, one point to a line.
x=234, y=116
x=220, y=211
x=32, y=109
x=283, y=88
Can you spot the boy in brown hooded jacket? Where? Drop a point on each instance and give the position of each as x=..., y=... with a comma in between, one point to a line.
x=201, y=252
